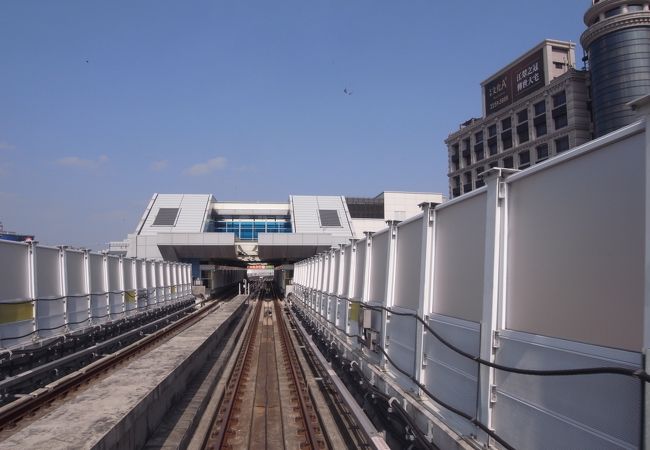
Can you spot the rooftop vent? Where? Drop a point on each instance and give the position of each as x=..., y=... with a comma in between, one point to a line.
x=166, y=217
x=329, y=218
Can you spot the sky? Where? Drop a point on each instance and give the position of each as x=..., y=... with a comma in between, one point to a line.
x=103, y=104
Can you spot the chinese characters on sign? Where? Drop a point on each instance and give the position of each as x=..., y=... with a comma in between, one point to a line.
x=515, y=83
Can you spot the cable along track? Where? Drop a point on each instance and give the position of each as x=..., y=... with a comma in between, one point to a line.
x=267, y=402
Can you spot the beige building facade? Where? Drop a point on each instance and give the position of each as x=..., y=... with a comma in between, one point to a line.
x=533, y=109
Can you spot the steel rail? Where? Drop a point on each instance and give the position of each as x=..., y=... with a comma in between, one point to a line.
x=217, y=441
x=15, y=411
x=298, y=378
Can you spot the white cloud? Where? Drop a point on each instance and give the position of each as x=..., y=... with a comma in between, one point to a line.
x=207, y=167
x=157, y=166
x=75, y=161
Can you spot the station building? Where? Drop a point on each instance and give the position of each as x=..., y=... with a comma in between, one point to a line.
x=201, y=230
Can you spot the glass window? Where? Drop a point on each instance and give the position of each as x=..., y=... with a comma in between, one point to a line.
x=559, y=99
x=478, y=151
x=522, y=116
x=613, y=12
x=540, y=108
x=560, y=121
x=478, y=137
x=506, y=123
x=524, y=159
x=492, y=147
x=562, y=144
x=542, y=152
x=523, y=135
x=492, y=130
x=634, y=8
x=506, y=140
x=540, y=129
x=507, y=162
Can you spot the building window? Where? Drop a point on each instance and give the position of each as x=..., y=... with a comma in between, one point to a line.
x=540, y=108
x=522, y=133
x=560, y=118
x=478, y=151
x=540, y=128
x=613, y=12
x=479, y=181
x=455, y=191
x=524, y=159
x=493, y=164
x=506, y=139
x=478, y=137
x=562, y=144
x=522, y=116
x=507, y=162
x=559, y=99
x=468, y=182
x=467, y=156
x=492, y=130
x=492, y=146
x=506, y=124
x=542, y=152
x=455, y=155
x=634, y=8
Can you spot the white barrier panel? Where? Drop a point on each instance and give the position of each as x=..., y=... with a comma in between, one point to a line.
x=50, y=308
x=130, y=288
x=459, y=259
x=152, y=291
x=48, y=291
x=450, y=376
x=16, y=310
x=141, y=280
x=542, y=270
x=596, y=261
x=76, y=293
x=160, y=282
x=98, y=286
x=115, y=295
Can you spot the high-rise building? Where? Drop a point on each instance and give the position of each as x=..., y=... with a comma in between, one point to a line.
x=534, y=108
x=617, y=45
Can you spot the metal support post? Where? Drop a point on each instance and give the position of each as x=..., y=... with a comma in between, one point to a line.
x=64, y=284
x=492, y=321
x=33, y=288
x=86, y=269
x=425, y=296
x=642, y=106
x=351, y=282
x=389, y=289
x=121, y=283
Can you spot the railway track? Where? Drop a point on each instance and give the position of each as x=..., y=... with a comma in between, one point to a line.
x=267, y=402
x=26, y=406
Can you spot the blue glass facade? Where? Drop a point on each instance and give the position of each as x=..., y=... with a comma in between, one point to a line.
x=249, y=229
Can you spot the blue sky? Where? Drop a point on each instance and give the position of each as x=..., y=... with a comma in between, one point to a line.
x=104, y=103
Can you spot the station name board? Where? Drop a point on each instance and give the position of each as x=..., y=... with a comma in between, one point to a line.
x=514, y=83
x=260, y=266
